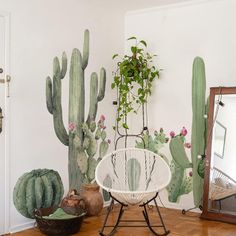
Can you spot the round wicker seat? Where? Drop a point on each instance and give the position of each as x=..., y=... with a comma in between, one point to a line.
x=133, y=176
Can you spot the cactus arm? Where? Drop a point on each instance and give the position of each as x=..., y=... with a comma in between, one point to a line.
x=178, y=153
x=198, y=125
x=96, y=96
x=103, y=147
x=76, y=91
x=49, y=95
x=85, y=50
x=63, y=65
x=176, y=180
x=102, y=85
x=57, y=109
x=186, y=186
x=93, y=97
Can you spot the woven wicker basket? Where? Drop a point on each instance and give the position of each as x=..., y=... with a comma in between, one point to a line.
x=60, y=227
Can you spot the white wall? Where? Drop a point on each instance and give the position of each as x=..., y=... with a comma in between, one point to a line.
x=178, y=33
x=40, y=30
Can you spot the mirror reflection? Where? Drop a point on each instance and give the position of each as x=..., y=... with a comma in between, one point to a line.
x=219, y=139
x=222, y=185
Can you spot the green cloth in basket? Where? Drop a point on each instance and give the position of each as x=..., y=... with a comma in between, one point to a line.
x=59, y=214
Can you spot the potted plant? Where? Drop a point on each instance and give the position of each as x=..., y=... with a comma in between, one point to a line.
x=133, y=79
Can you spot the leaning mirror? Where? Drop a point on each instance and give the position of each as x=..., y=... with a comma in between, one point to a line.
x=219, y=200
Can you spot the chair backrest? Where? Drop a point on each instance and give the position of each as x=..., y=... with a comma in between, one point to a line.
x=133, y=170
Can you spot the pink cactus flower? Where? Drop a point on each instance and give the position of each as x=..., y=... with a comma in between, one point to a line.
x=187, y=145
x=72, y=127
x=172, y=134
x=109, y=141
x=184, y=131
x=190, y=173
x=102, y=118
x=161, y=130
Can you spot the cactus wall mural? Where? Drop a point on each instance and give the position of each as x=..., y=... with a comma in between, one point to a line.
x=181, y=179
x=84, y=134
x=180, y=183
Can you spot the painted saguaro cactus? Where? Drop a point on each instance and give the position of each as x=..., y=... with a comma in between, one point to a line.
x=199, y=132
x=82, y=136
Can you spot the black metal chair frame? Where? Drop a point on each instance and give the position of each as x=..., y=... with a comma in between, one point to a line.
x=145, y=214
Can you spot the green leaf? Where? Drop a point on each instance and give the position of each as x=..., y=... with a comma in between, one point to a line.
x=144, y=43
x=131, y=38
x=125, y=126
x=133, y=49
x=114, y=56
x=113, y=85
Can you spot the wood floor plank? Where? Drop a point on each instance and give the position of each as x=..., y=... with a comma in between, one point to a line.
x=179, y=225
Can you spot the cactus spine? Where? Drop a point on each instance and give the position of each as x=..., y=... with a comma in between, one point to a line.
x=198, y=125
x=80, y=138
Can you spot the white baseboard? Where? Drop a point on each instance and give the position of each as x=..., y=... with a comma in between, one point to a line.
x=21, y=227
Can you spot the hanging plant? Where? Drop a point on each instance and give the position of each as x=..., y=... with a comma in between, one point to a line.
x=133, y=80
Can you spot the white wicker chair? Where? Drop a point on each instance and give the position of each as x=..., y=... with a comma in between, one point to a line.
x=133, y=176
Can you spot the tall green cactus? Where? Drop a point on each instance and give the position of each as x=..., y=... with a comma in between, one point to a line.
x=80, y=138
x=198, y=125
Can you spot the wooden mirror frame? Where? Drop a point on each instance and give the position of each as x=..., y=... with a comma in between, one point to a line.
x=206, y=213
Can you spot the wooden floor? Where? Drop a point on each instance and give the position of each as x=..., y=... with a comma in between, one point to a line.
x=179, y=225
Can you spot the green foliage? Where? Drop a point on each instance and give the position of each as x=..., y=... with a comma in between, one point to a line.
x=133, y=79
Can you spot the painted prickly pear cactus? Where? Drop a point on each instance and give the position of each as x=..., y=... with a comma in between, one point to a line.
x=153, y=143
x=181, y=182
x=83, y=134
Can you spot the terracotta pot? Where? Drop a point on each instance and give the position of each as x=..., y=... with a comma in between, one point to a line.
x=92, y=198
x=73, y=203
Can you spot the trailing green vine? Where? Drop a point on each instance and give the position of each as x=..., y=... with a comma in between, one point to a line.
x=133, y=79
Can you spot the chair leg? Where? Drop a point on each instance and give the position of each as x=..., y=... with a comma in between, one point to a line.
x=162, y=222
x=146, y=217
x=117, y=221
x=109, y=209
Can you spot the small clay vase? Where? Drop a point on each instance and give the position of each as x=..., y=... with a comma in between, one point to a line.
x=73, y=203
x=92, y=198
